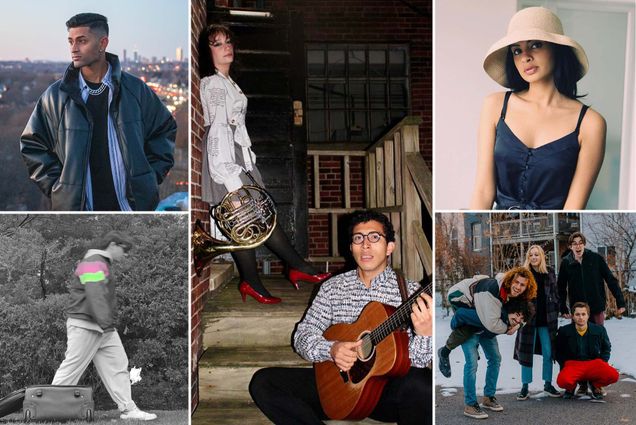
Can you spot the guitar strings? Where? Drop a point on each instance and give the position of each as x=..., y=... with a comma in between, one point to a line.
x=401, y=315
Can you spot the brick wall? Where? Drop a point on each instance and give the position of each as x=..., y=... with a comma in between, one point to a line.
x=331, y=195
x=378, y=21
x=200, y=285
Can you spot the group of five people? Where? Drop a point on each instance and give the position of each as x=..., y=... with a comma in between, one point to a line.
x=527, y=300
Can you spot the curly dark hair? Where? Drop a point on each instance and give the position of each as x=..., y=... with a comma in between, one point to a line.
x=516, y=305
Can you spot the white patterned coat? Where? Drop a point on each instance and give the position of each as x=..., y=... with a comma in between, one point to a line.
x=340, y=300
x=224, y=109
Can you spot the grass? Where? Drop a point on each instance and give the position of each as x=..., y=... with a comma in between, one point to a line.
x=110, y=417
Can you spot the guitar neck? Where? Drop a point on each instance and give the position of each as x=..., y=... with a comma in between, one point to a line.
x=401, y=316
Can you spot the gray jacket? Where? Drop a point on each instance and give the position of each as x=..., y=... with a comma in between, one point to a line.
x=55, y=144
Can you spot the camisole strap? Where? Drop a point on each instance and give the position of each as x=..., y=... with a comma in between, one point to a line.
x=581, y=115
x=505, y=105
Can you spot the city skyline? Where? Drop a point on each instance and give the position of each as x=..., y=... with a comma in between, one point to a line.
x=154, y=28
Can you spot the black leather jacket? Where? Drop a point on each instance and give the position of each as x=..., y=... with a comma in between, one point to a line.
x=55, y=144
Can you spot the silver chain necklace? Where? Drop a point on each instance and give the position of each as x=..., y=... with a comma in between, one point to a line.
x=99, y=90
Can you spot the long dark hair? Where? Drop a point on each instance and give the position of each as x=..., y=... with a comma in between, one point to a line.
x=206, y=64
x=567, y=71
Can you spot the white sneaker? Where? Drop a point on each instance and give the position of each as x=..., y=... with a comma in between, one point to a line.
x=137, y=414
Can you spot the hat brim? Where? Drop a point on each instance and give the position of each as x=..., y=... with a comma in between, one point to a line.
x=495, y=60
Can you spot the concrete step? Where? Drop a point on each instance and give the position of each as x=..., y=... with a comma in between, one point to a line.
x=225, y=373
x=231, y=323
x=242, y=413
x=242, y=338
x=220, y=273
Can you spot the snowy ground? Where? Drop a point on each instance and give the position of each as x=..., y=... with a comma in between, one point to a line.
x=622, y=335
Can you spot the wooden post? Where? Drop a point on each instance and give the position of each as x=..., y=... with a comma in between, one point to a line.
x=379, y=170
x=347, y=181
x=398, y=168
x=372, y=200
x=389, y=173
x=412, y=211
x=316, y=181
x=334, y=235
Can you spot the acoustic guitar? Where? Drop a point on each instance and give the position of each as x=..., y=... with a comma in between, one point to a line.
x=384, y=354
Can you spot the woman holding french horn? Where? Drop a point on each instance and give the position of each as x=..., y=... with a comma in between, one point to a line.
x=228, y=157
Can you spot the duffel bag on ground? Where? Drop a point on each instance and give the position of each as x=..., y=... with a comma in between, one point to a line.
x=11, y=403
x=58, y=402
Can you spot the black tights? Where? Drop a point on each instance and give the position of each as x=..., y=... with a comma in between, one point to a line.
x=289, y=396
x=279, y=244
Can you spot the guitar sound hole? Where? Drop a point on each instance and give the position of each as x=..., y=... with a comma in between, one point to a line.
x=361, y=369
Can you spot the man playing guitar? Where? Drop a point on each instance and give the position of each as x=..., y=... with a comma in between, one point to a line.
x=290, y=395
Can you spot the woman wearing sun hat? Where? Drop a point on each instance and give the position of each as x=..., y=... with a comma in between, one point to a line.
x=539, y=147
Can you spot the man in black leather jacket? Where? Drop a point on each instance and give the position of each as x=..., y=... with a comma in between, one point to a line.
x=99, y=138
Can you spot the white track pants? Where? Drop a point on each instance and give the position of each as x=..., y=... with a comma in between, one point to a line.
x=107, y=353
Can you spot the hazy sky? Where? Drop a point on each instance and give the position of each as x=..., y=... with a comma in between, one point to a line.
x=36, y=29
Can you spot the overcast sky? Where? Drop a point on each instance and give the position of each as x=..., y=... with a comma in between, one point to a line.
x=35, y=29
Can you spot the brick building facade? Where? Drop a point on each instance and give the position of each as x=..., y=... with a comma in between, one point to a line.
x=350, y=22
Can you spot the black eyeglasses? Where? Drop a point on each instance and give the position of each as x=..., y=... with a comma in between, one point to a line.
x=373, y=237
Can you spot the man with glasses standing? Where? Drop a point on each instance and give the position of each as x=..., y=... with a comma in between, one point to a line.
x=90, y=326
x=290, y=396
x=583, y=275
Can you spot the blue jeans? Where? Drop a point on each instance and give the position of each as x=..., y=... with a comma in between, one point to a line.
x=491, y=351
x=546, y=353
x=469, y=317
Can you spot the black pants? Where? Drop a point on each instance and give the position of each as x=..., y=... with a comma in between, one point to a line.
x=289, y=396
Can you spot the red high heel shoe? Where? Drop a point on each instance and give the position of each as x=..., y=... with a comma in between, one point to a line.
x=295, y=275
x=245, y=289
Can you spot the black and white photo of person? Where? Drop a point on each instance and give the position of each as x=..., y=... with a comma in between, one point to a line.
x=103, y=290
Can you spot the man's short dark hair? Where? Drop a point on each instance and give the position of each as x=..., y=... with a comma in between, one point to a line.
x=119, y=238
x=95, y=21
x=363, y=216
x=574, y=236
x=581, y=304
x=516, y=305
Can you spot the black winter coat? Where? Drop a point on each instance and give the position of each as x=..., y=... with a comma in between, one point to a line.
x=55, y=144
x=526, y=335
x=585, y=282
x=595, y=344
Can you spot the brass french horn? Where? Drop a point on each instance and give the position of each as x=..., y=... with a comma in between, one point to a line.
x=246, y=217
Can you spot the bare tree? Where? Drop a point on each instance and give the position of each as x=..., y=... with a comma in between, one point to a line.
x=617, y=230
x=454, y=260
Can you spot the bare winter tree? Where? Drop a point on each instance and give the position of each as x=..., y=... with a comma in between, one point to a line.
x=617, y=230
x=506, y=253
x=454, y=260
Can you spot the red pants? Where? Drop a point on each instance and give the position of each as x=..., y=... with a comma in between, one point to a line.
x=599, y=373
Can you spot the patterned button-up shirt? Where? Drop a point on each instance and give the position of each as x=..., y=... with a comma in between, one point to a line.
x=340, y=300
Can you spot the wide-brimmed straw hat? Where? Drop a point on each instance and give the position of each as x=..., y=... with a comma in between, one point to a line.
x=532, y=23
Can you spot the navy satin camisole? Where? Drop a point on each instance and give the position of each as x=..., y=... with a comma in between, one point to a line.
x=533, y=178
